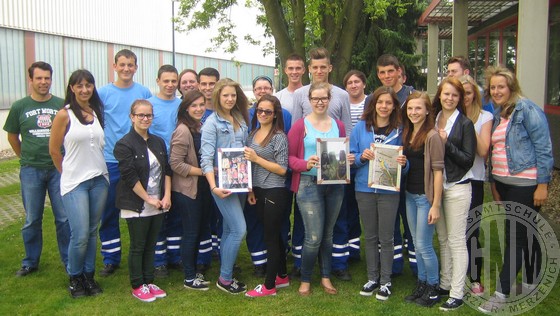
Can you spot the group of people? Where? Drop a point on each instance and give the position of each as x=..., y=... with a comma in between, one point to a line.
x=159, y=172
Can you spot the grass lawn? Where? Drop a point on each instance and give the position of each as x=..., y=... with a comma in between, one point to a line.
x=45, y=292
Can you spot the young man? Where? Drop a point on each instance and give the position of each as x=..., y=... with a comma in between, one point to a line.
x=294, y=70
x=188, y=80
x=458, y=66
x=117, y=98
x=355, y=84
x=339, y=108
x=166, y=104
x=209, y=236
x=31, y=118
x=207, y=79
x=389, y=72
x=262, y=85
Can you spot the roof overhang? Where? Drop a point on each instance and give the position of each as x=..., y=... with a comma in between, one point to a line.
x=440, y=12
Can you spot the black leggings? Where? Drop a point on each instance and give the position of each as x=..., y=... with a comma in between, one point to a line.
x=477, y=198
x=271, y=208
x=518, y=247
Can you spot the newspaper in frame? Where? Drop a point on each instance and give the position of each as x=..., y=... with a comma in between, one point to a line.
x=384, y=170
x=333, y=160
x=234, y=171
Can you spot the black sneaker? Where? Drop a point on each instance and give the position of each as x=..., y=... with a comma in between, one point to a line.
x=368, y=288
x=418, y=291
x=342, y=275
x=430, y=296
x=76, y=287
x=161, y=272
x=195, y=284
x=451, y=304
x=91, y=286
x=25, y=270
x=108, y=269
x=384, y=292
x=232, y=288
x=259, y=271
x=202, y=279
x=240, y=284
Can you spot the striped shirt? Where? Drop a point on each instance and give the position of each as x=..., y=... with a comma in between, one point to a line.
x=276, y=151
x=499, y=155
x=356, y=111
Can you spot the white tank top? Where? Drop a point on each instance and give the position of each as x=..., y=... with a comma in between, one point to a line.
x=83, y=158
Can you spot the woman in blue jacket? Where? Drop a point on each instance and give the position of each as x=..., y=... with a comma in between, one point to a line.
x=521, y=167
x=379, y=124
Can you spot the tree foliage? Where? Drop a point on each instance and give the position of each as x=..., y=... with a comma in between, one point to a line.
x=294, y=26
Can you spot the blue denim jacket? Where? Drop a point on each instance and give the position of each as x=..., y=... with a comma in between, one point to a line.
x=218, y=132
x=528, y=141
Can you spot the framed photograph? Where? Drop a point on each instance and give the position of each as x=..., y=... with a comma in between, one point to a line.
x=334, y=167
x=234, y=171
x=384, y=171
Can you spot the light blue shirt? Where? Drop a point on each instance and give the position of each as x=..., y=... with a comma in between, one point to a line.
x=165, y=118
x=116, y=103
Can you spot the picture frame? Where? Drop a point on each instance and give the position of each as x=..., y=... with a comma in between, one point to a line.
x=234, y=171
x=334, y=167
x=384, y=170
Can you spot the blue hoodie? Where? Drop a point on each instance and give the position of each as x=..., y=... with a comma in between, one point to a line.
x=360, y=139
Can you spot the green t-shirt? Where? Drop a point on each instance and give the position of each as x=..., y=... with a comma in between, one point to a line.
x=33, y=121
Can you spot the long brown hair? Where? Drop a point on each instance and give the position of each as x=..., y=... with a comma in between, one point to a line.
x=240, y=110
x=370, y=113
x=183, y=116
x=277, y=122
x=408, y=127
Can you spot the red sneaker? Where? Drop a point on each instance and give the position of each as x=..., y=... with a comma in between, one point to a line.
x=477, y=289
x=261, y=290
x=282, y=282
x=143, y=293
x=156, y=291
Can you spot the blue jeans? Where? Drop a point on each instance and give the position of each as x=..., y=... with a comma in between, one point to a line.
x=417, y=209
x=85, y=204
x=319, y=207
x=35, y=183
x=234, y=229
x=191, y=213
x=109, y=229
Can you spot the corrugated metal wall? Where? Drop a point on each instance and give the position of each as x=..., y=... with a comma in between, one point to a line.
x=67, y=54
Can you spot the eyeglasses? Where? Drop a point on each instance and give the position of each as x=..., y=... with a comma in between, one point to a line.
x=322, y=100
x=265, y=112
x=142, y=116
x=265, y=89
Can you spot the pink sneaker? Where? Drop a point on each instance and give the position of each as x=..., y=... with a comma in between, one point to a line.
x=156, y=291
x=260, y=290
x=477, y=289
x=143, y=293
x=282, y=282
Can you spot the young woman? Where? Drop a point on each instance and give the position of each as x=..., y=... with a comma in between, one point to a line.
x=268, y=150
x=379, y=124
x=459, y=137
x=319, y=204
x=424, y=151
x=226, y=128
x=143, y=196
x=521, y=168
x=482, y=121
x=84, y=178
x=189, y=188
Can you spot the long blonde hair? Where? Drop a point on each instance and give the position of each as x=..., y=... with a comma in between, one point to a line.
x=512, y=83
x=476, y=105
x=240, y=111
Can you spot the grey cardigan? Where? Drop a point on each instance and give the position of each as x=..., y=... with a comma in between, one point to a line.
x=182, y=158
